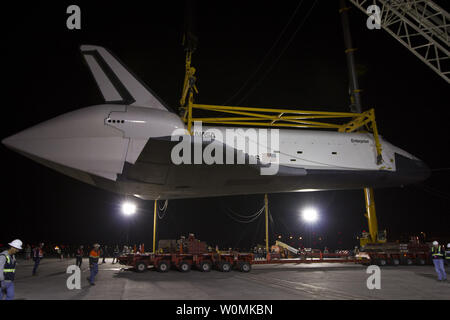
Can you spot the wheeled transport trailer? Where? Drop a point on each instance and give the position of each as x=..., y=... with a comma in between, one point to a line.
x=411, y=253
x=185, y=254
x=184, y=262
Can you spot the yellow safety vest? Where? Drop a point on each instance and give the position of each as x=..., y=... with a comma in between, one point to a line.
x=438, y=253
x=9, y=269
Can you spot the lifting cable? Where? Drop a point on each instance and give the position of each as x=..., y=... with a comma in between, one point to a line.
x=272, y=223
x=256, y=233
x=266, y=55
x=257, y=213
x=163, y=209
x=274, y=234
x=283, y=225
x=270, y=216
x=238, y=242
x=242, y=221
x=269, y=69
x=248, y=216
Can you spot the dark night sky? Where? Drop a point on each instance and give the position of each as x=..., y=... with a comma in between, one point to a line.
x=45, y=77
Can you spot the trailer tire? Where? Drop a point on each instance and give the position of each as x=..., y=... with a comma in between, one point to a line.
x=205, y=266
x=406, y=261
x=163, y=266
x=224, y=266
x=141, y=266
x=380, y=262
x=184, y=266
x=245, y=267
x=420, y=261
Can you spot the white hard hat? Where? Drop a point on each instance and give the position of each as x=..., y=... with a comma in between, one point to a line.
x=448, y=245
x=435, y=243
x=16, y=244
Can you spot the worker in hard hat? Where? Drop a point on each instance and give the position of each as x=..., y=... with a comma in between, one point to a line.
x=38, y=254
x=8, y=269
x=94, y=255
x=58, y=252
x=447, y=255
x=437, y=253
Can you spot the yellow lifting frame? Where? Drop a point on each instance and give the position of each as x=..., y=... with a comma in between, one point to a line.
x=288, y=118
x=271, y=117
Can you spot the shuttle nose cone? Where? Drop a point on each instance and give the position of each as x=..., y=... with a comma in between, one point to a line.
x=64, y=136
x=37, y=139
x=15, y=141
x=77, y=140
x=7, y=142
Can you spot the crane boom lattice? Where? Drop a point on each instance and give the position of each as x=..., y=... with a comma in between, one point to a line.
x=420, y=25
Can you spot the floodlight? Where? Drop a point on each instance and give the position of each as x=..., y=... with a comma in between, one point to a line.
x=310, y=215
x=128, y=208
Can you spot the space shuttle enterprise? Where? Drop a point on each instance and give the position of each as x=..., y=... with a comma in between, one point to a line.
x=126, y=145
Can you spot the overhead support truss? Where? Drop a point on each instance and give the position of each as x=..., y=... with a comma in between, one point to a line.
x=286, y=118
x=420, y=25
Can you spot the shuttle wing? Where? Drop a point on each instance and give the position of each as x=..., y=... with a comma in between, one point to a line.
x=154, y=165
x=116, y=83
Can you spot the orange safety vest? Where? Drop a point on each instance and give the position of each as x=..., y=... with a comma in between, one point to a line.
x=94, y=254
x=38, y=252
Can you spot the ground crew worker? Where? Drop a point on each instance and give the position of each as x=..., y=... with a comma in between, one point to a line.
x=116, y=254
x=447, y=255
x=94, y=255
x=437, y=253
x=79, y=256
x=58, y=252
x=28, y=252
x=104, y=253
x=38, y=254
x=260, y=253
x=8, y=269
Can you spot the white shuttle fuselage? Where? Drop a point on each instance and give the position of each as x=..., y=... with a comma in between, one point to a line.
x=125, y=146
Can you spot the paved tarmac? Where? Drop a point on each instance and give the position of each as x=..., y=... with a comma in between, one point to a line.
x=274, y=282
